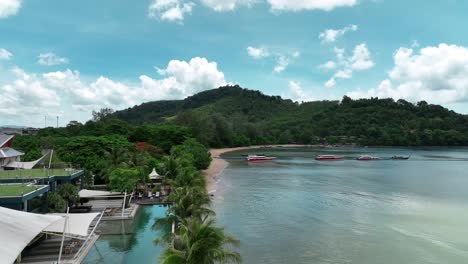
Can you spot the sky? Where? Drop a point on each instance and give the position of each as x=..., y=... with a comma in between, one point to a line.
x=68, y=58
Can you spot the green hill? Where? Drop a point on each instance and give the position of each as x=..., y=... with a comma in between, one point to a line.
x=232, y=116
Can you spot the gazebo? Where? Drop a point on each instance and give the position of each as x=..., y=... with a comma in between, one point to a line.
x=154, y=176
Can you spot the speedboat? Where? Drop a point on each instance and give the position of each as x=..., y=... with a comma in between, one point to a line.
x=328, y=157
x=400, y=157
x=367, y=157
x=259, y=158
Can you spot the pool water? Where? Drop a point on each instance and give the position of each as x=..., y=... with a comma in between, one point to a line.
x=128, y=241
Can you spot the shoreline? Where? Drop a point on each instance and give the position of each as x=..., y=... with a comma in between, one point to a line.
x=218, y=164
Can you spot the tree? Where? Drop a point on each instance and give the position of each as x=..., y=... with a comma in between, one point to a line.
x=122, y=180
x=199, y=153
x=201, y=242
x=69, y=193
x=102, y=114
x=32, y=154
x=56, y=204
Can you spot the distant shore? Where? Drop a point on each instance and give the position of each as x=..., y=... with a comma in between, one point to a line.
x=217, y=166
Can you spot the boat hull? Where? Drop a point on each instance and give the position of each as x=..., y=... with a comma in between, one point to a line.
x=329, y=158
x=260, y=159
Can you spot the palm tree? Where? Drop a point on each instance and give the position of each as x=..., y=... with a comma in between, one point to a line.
x=200, y=242
x=170, y=167
x=187, y=202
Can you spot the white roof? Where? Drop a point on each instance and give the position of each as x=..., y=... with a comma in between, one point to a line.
x=9, y=153
x=26, y=165
x=17, y=229
x=154, y=175
x=92, y=193
x=78, y=224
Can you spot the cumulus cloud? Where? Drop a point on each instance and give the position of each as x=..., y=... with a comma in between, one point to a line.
x=298, y=5
x=30, y=95
x=5, y=54
x=329, y=65
x=360, y=60
x=50, y=59
x=226, y=5
x=437, y=74
x=283, y=61
x=331, y=35
x=9, y=8
x=297, y=93
x=26, y=96
x=257, y=53
x=281, y=64
x=170, y=10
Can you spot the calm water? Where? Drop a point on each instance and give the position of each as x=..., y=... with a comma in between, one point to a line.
x=298, y=210
x=128, y=241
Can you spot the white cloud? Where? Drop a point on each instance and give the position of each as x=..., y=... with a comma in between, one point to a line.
x=50, y=59
x=5, y=54
x=281, y=64
x=297, y=93
x=297, y=5
x=360, y=60
x=170, y=10
x=194, y=76
x=30, y=95
x=258, y=53
x=331, y=35
x=9, y=8
x=435, y=74
x=26, y=96
x=330, y=83
x=227, y=5
x=329, y=65
x=283, y=61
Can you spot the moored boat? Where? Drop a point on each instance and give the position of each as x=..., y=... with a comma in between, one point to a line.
x=367, y=157
x=328, y=157
x=400, y=157
x=259, y=158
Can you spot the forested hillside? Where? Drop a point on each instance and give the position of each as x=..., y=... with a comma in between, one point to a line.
x=232, y=116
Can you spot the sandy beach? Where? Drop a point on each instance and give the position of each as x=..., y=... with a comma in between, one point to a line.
x=218, y=165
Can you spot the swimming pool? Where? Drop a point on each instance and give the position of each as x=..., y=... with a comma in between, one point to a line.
x=128, y=241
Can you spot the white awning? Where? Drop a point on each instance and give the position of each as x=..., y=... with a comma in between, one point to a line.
x=17, y=229
x=78, y=224
x=92, y=193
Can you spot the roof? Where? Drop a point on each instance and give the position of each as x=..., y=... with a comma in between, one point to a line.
x=154, y=175
x=9, y=153
x=92, y=193
x=26, y=165
x=78, y=224
x=18, y=229
x=4, y=139
x=17, y=190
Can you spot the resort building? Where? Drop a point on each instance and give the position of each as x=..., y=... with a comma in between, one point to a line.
x=8, y=155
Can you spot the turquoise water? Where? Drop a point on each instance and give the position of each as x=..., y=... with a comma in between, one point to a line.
x=128, y=241
x=298, y=210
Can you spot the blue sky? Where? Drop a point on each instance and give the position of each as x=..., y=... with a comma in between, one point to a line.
x=67, y=58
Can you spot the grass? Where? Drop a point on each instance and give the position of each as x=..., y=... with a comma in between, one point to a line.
x=34, y=173
x=16, y=190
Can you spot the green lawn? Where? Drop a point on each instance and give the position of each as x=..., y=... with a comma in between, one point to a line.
x=16, y=190
x=34, y=173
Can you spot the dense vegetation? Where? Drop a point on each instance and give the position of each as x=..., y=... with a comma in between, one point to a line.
x=232, y=116
x=121, y=156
